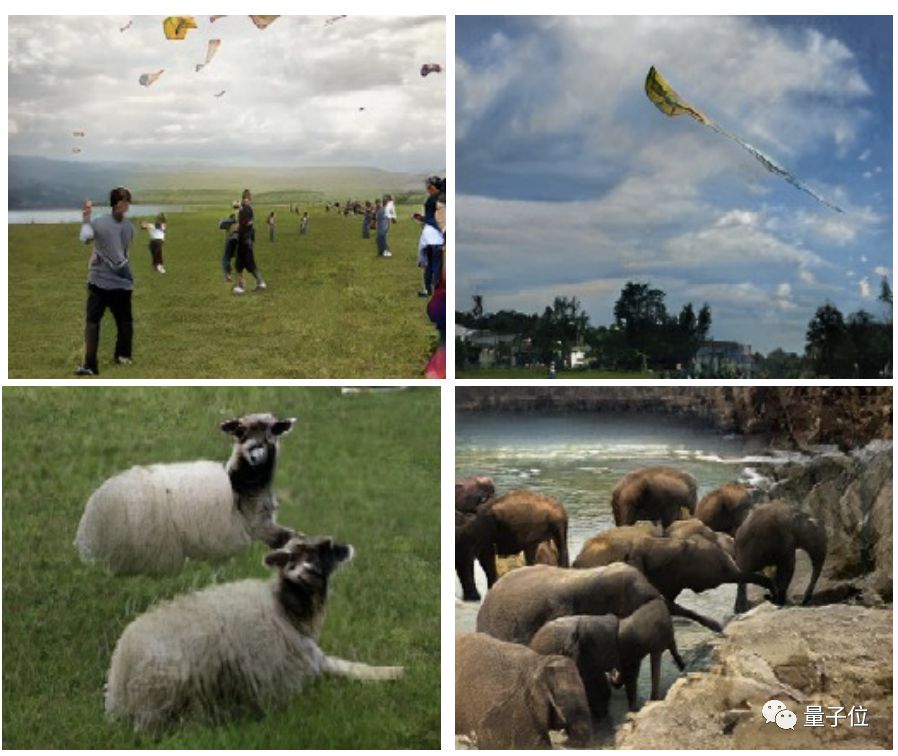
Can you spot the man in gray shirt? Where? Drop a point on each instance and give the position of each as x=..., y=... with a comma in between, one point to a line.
x=109, y=279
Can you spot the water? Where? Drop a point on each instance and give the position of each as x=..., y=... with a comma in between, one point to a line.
x=578, y=459
x=73, y=215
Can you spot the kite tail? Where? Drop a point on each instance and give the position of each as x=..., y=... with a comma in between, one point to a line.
x=771, y=166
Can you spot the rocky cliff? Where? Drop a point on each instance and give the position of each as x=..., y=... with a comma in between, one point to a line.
x=834, y=656
x=787, y=417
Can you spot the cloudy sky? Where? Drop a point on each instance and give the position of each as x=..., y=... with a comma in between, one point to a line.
x=570, y=182
x=293, y=91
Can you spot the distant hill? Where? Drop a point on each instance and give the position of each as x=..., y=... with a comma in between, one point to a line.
x=36, y=183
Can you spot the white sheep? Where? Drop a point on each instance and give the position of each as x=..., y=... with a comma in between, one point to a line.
x=149, y=519
x=232, y=649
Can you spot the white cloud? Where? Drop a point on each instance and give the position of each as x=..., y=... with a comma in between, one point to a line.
x=293, y=91
x=864, y=155
x=881, y=270
x=864, y=288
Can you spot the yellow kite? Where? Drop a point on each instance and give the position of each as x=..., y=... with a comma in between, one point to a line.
x=176, y=27
x=666, y=99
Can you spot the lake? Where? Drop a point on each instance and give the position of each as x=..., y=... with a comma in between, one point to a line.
x=578, y=459
x=73, y=215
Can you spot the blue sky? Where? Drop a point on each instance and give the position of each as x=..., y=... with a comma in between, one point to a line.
x=570, y=182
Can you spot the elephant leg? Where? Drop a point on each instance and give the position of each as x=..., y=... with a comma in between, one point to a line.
x=530, y=554
x=464, y=567
x=560, y=539
x=785, y=569
x=487, y=559
x=741, y=599
x=656, y=675
x=630, y=680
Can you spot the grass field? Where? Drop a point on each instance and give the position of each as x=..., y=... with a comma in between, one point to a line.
x=523, y=373
x=364, y=468
x=333, y=308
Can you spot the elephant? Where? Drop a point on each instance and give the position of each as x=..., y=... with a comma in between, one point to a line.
x=470, y=492
x=671, y=564
x=769, y=537
x=509, y=696
x=724, y=509
x=591, y=641
x=646, y=632
x=695, y=527
x=653, y=493
x=475, y=538
x=546, y=553
x=518, y=521
x=527, y=598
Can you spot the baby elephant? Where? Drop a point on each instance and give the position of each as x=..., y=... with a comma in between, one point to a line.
x=591, y=641
x=769, y=537
x=508, y=696
x=648, y=631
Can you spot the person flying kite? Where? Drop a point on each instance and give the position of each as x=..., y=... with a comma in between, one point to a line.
x=666, y=99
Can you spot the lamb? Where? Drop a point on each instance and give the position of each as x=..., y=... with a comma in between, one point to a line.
x=232, y=649
x=149, y=519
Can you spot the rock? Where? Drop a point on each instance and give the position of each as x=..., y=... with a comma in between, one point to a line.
x=803, y=656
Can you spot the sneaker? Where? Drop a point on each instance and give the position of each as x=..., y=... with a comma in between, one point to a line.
x=160, y=268
x=123, y=360
x=261, y=286
x=423, y=293
x=83, y=370
x=238, y=290
x=387, y=253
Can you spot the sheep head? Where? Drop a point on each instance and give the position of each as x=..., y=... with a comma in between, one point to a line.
x=256, y=436
x=308, y=561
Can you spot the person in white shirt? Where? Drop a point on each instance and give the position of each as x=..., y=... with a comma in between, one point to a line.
x=157, y=240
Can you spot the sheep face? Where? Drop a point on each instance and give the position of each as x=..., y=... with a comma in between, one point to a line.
x=256, y=437
x=306, y=563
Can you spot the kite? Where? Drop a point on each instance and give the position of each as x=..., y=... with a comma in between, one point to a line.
x=213, y=19
x=176, y=27
x=670, y=103
x=361, y=109
x=76, y=150
x=332, y=20
x=220, y=93
x=429, y=68
x=148, y=78
x=78, y=133
x=126, y=26
x=263, y=22
x=214, y=44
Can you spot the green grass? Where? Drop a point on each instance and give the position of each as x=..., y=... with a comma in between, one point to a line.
x=333, y=308
x=363, y=468
x=523, y=373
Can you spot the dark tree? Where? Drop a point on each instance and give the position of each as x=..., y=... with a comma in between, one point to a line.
x=826, y=342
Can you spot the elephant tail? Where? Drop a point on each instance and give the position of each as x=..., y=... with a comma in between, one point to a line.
x=756, y=578
x=681, y=611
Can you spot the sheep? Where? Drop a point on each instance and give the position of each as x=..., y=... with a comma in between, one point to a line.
x=149, y=519
x=232, y=649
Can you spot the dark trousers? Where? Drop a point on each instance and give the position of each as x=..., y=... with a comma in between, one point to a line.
x=156, y=251
x=433, y=270
x=117, y=300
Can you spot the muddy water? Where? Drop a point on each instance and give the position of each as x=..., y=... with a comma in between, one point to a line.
x=578, y=459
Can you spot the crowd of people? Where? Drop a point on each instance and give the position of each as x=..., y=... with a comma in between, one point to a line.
x=111, y=282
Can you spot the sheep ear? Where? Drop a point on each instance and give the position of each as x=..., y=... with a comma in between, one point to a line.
x=278, y=558
x=282, y=427
x=231, y=426
x=342, y=553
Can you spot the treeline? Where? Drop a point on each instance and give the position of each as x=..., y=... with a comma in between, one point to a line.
x=643, y=336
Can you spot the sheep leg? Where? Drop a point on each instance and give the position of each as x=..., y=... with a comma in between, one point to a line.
x=359, y=670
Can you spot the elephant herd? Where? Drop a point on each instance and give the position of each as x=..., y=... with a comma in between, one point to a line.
x=554, y=636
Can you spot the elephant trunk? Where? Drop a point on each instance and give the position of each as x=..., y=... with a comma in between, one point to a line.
x=681, y=611
x=810, y=536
